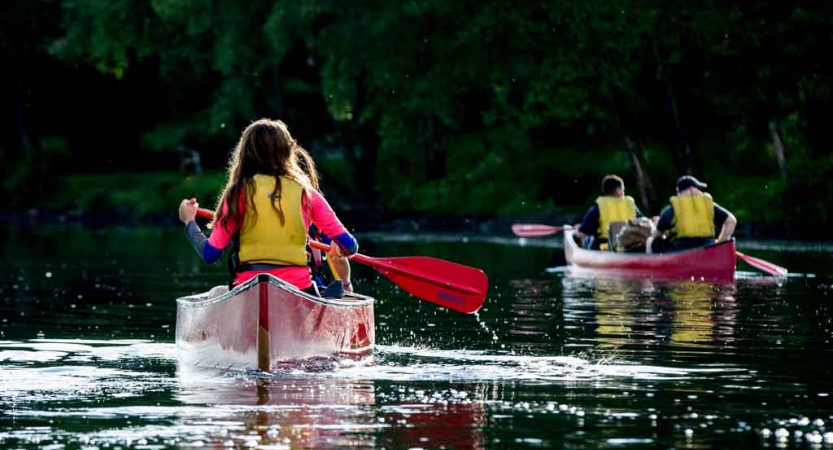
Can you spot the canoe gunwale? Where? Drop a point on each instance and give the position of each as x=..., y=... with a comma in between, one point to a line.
x=201, y=300
x=614, y=256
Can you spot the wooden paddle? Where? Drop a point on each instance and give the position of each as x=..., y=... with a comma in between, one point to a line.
x=762, y=265
x=455, y=286
x=534, y=230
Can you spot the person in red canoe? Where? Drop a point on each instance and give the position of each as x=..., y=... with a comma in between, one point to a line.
x=612, y=207
x=265, y=210
x=691, y=219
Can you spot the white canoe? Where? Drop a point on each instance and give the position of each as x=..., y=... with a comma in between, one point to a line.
x=265, y=321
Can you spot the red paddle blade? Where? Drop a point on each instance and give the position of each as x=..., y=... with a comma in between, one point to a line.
x=454, y=286
x=534, y=230
x=765, y=266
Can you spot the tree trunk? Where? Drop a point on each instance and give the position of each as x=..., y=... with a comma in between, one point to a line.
x=433, y=156
x=369, y=148
x=647, y=193
x=189, y=158
x=348, y=144
x=684, y=155
x=778, y=146
x=361, y=147
x=24, y=143
x=367, y=163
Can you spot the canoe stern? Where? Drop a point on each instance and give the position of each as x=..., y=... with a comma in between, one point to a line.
x=266, y=321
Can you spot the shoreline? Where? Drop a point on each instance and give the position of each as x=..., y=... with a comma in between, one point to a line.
x=367, y=222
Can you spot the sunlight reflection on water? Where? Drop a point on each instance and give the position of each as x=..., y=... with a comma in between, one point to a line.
x=553, y=360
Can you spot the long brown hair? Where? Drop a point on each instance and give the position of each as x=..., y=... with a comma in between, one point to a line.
x=306, y=163
x=265, y=148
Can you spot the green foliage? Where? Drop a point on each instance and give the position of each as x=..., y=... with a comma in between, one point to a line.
x=807, y=196
x=168, y=136
x=473, y=107
x=751, y=199
x=31, y=178
x=141, y=193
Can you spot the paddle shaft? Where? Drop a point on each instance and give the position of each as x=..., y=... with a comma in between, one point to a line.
x=205, y=213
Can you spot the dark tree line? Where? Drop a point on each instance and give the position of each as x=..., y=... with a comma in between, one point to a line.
x=465, y=107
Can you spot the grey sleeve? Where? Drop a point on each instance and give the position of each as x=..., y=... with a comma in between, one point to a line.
x=196, y=238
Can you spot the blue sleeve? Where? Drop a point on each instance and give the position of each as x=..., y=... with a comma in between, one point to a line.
x=211, y=254
x=590, y=223
x=323, y=238
x=199, y=242
x=348, y=243
x=666, y=218
x=638, y=212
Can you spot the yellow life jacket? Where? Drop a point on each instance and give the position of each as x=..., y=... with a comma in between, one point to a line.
x=614, y=209
x=693, y=216
x=263, y=240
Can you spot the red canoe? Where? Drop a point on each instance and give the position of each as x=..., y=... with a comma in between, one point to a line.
x=265, y=321
x=712, y=262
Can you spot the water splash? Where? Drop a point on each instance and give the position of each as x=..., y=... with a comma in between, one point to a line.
x=485, y=327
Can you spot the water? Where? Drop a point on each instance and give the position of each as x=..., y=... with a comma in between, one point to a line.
x=553, y=360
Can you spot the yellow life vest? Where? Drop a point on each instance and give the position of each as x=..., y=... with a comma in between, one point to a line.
x=693, y=216
x=263, y=240
x=614, y=209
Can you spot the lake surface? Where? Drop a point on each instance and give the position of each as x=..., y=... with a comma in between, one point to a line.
x=553, y=360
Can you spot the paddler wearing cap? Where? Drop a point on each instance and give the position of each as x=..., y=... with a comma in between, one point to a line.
x=691, y=219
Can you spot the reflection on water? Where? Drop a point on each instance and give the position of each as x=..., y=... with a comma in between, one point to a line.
x=606, y=315
x=702, y=314
x=554, y=360
x=638, y=312
x=206, y=386
x=290, y=411
x=213, y=408
x=609, y=317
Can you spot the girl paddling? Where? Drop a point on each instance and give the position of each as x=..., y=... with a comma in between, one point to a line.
x=266, y=209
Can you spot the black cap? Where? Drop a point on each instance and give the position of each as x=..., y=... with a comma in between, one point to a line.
x=688, y=181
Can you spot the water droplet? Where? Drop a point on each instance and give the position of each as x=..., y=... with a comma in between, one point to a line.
x=782, y=434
